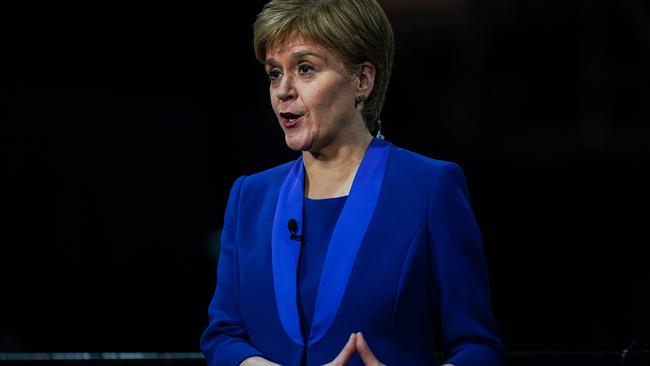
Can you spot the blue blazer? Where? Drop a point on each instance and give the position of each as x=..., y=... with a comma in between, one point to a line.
x=419, y=278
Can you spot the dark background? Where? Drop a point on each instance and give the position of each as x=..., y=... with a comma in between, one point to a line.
x=122, y=128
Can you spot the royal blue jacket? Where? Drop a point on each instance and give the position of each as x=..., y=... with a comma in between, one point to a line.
x=419, y=278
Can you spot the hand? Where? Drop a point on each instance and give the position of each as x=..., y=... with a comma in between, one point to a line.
x=257, y=361
x=366, y=354
x=346, y=353
x=356, y=343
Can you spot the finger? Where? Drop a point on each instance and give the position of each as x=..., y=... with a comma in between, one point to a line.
x=364, y=351
x=346, y=353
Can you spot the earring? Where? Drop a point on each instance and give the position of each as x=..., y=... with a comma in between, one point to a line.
x=359, y=99
x=379, y=136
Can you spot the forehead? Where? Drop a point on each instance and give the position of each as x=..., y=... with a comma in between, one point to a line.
x=294, y=46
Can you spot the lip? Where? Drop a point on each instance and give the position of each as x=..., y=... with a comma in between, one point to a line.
x=291, y=120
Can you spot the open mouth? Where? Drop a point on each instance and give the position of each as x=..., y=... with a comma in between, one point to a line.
x=290, y=120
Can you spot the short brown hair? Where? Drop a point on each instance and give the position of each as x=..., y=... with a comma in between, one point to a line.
x=355, y=30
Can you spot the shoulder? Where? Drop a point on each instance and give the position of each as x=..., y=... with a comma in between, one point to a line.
x=269, y=176
x=256, y=194
x=264, y=183
x=409, y=165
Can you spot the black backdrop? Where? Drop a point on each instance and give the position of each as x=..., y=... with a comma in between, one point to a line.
x=123, y=127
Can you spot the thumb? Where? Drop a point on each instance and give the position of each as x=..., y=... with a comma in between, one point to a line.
x=364, y=351
x=346, y=353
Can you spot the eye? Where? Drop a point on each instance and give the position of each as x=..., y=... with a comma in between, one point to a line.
x=274, y=74
x=305, y=69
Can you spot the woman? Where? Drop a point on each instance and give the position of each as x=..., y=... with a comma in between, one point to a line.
x=358, y=252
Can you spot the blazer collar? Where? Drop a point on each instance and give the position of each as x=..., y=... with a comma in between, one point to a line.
x=344, y=245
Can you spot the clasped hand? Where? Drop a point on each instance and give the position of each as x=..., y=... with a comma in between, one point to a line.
x=357, y=344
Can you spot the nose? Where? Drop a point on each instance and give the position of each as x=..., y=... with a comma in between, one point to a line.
x=285, y=90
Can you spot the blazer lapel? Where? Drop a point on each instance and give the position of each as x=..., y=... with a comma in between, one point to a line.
x=344, y=245
x=348, y=234
x=285, y=252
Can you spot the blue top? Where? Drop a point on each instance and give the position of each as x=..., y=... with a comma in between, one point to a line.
x=319, y=219
x=413, y=276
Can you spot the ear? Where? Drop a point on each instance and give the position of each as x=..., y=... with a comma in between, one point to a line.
x=366, y=77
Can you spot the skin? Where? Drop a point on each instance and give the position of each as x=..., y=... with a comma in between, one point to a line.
x=308, y=80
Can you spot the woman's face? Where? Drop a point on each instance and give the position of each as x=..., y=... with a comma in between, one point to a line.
x=312, y=94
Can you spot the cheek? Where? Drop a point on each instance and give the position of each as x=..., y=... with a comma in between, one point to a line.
x=274, y=101
x=327, y=99
x=314, y=99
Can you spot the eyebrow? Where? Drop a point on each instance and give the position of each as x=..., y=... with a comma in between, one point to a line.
x=295, y=55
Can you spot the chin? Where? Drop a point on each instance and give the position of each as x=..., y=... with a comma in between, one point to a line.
x=298, y=143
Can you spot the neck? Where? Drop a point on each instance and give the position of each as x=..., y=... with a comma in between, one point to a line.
x=330, y=171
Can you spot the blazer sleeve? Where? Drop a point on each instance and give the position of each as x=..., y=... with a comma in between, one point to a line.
x=462, y=299
x=225, y=342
